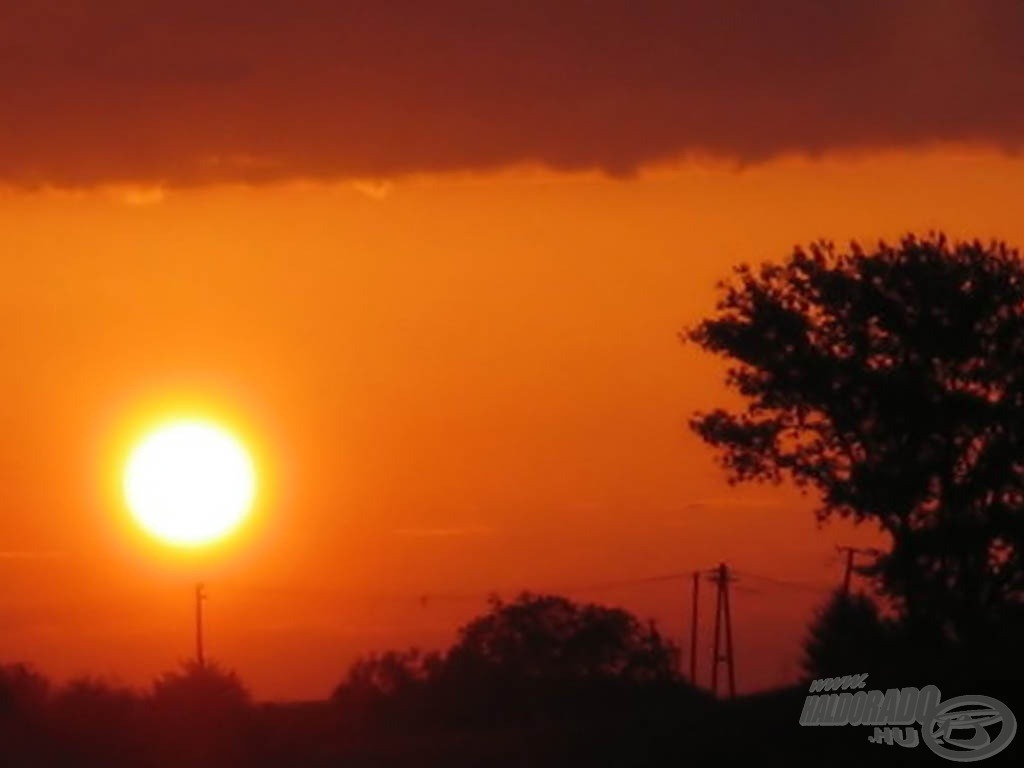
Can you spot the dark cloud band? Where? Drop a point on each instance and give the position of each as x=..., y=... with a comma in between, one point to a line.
x=190, y=92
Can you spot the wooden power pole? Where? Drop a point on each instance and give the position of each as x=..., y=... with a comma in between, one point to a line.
x=693, y=630
x=723, y=620
x=851, y=553
x=200, y=596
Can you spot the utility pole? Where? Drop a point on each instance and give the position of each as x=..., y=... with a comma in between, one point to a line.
x=200, y=596
x=723, y=619
x=693, y=630
x=851, y=552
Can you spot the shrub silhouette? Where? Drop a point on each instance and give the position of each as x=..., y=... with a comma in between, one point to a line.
x=24, y=703
x=99, y=724
x=549, y=638
x=208, y=688
x=847, y=636
x=520, y=660
x=200, y=715
x=23, y=691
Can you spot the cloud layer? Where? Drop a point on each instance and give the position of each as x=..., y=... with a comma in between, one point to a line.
x=191, y=92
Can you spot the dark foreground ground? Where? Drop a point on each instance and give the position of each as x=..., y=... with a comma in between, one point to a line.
x=667, y=727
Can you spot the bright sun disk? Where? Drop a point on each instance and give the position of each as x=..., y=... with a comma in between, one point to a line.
x=189, y=483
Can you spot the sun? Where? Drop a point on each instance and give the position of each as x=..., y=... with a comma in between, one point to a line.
x=189, y=482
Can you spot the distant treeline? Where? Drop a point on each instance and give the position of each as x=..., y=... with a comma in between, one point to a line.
x=539, y=681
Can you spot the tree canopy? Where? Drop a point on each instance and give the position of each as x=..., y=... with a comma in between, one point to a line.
x=526, y=658
x=551, y=638
x=200, y=691
x=891, y=380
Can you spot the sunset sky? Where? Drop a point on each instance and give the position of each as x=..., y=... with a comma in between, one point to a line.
x=430, y=264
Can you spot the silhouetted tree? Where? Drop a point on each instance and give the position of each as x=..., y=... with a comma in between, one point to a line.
x=200, y=685
x=23, y=691
x=550, y=638
x=201, y=713
x=892, y=381
x=99, y=724
x=24, y=700
x=386, y=680
x=848, y=636
x=522, y=660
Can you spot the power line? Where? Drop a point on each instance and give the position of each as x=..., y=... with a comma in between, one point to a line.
x=567, y=588
x=789, y=583
x=722, y=576
x=625, y=582
x=747, y=590
x=449, y=596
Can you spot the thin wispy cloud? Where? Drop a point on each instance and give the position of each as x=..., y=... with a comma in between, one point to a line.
x=30, y=554
x=445, y=532
x=376, y=190
x=726, y=502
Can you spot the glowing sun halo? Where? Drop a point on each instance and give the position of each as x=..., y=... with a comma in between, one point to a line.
x=189, y=483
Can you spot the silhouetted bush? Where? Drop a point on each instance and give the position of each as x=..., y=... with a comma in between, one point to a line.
x=98, y=724
x=201, y=716
x=207, y=689
x=23, y=691
x=538, y=657
x=552, y=639
x=848, y=636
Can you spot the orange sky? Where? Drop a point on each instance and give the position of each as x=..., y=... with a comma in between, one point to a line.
x=454, y=384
